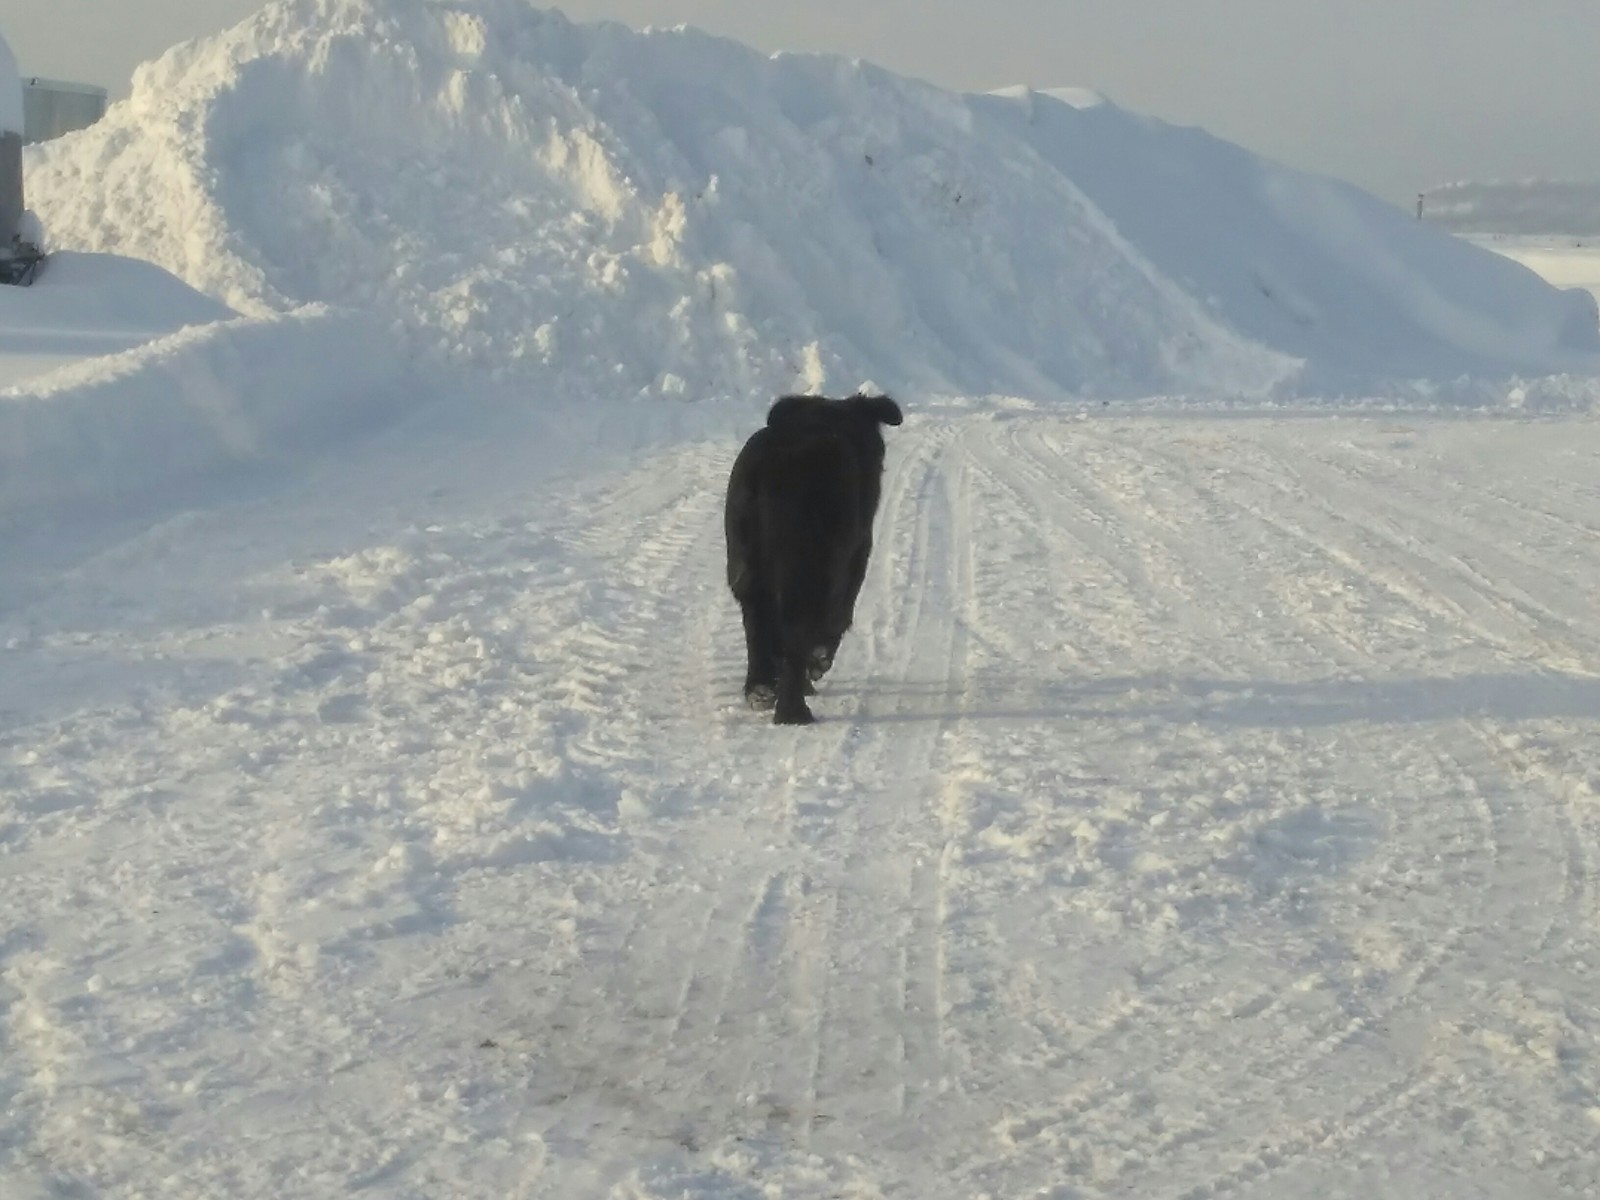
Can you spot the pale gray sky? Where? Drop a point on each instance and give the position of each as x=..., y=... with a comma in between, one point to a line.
x=1394, y=95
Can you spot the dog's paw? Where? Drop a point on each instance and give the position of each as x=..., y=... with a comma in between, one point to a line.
x=760, y=696
x=820, y=663
x=793, y=716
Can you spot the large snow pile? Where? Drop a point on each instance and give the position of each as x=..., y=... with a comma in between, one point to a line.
x=676, y=213
x=670, y=213
x=1522, y=208
x=1304, y=264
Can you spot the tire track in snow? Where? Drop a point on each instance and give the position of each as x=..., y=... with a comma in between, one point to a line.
x=1346, y=651
x=1058, y=499
x=1335, y=651
x=819, y=945
x=1571, y=800
x=887, y=932
x=1357, y=473
x=1029, y=492
x=800, y=946
x=650, y=1007
x=945, y=532
x=1430, y=568
x=672, y=1002
x=734, y=1046
x=1554, y=635
x=1355, y=1020
x=1319, y=1042
x=1285, y=1145
x=1360, y=645
x=1020, y=494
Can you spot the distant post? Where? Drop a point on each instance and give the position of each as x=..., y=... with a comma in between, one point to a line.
x=10, y=187
x=1420, y=196
x=11, y=127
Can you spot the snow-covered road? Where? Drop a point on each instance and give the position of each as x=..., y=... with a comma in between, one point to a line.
x=1202, y=806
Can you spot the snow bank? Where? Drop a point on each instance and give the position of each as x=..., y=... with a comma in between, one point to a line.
x=667, y=213
x=206, y=402
x=1315, y=268
x=86, y=305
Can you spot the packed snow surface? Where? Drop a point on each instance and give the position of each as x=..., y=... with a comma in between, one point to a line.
x=1201, y=806
x=1206, y=802
x=668, y=213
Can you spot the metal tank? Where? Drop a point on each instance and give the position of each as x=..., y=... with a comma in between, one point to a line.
x=52, y=107
x=11, y=132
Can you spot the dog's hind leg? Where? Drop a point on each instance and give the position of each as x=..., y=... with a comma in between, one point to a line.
x=858, y=576
x=791, y=706
x=761, y=651
x=841, y=611
x=797, y=634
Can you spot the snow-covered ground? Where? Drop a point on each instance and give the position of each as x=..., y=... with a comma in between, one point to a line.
x=1202, y=806
x=1206, y=802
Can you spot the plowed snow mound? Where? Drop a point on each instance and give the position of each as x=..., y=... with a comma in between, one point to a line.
x=667, y=212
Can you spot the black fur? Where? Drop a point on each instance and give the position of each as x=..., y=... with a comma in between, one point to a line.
x=801, y=499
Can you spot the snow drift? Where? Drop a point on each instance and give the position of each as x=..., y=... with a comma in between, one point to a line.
x=89, y=305
x=212, y=400
x=668, y=213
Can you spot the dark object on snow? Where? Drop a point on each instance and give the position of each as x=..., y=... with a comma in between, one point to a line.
x=20, y=263
x=801, y=499
x=19, y=260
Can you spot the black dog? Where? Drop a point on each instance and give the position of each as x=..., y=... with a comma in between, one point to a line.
x=801, y=499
